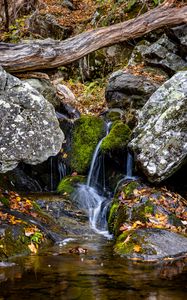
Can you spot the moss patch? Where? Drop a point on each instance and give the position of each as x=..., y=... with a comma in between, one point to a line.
x=117, y=138
x=88, y=131
x=68, y=183
x=129, y=188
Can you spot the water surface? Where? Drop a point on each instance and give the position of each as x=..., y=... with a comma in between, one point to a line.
x=99, y=275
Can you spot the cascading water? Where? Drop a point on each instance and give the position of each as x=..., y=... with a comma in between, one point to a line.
x=88, y=198
x=62, y=169
x=128, y=172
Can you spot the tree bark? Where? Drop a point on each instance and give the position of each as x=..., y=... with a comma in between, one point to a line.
x=48, y=53
x=6, y=15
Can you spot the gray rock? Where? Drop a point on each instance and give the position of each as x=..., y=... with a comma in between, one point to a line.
x=163, y=53
x=46, y=26
x=68, y=4
x=180, y=32
x=126, y=90
x=29, y=129
x=159, y=244
x=160, y=138
x=137, y=53
x=44, y=87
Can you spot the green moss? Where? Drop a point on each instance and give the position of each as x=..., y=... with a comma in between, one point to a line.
x=117, y=216
x=11, y=244
x=88, y=131
x=149, y=209
x=130, y=187
x=113, y=116
x=68, y=183
x=124, y=248
x=117, y=138
x=140, y=211
x=127, y=242
x=112, y=215
x=5, y=201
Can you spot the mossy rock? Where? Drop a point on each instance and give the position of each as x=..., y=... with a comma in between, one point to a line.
x=130, y=187
x=87, y=133
x=67, y=184
x=117, y=138
x=133, y=243
x=13, y=242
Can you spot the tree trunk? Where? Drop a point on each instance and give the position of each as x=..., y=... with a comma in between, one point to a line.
x=6, y=15
x=50, y=54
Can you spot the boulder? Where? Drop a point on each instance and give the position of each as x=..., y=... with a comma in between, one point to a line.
x=126, y=90
x=163, y=53
x=148, y=223
x=29, y=129
x=160, y=138
x=180, y=32
x=46, y=26
x=45, y=87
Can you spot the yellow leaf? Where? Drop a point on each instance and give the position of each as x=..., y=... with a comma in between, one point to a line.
x=137, y=248
x=32, y=248
x=65, y=155
x=137, y=224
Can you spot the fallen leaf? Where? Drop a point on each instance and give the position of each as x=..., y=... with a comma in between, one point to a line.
x=127, y=239
x=137, y=248
x=32, y=248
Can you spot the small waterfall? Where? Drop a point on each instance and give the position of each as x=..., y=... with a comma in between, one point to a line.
x=95, y=167
x=97, y=162
x=88, y=198
x=128, y=172
x=62, y=169
x=129, y=166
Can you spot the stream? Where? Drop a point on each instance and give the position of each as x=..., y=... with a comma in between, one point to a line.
x=94, y=273
x=57, y=274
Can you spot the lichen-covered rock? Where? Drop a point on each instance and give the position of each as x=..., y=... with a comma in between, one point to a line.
x=29, y=129
x=163, y=53
x=160, y=138
x=44, y=87
x=148, y=223
x=126, y=90
x=180, y=32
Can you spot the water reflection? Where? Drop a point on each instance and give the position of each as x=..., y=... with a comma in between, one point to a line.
x=99, y=275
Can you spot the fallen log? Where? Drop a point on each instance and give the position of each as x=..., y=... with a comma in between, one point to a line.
x=49, y=53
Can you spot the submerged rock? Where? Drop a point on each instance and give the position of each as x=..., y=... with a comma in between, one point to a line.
x=160, y=138
x=148, y=223
x=29, y=129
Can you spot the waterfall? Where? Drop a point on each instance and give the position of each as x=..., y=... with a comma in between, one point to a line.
x=128, y=172
x=94, y=172
x=88, y=197
x=62, y=169
x=129, y=166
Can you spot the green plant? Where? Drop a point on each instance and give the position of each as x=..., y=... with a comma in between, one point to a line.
x=37, y=237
